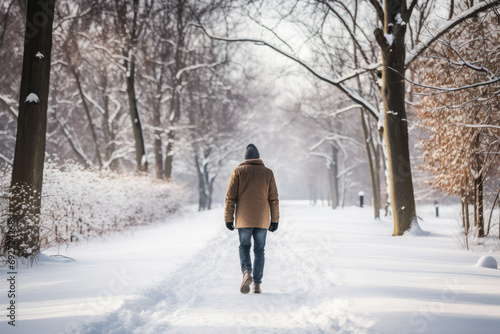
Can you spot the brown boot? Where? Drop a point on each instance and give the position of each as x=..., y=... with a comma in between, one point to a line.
x=247, y=280
x=256, y=288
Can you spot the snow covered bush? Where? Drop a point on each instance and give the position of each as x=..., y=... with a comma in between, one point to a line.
x=81, y=204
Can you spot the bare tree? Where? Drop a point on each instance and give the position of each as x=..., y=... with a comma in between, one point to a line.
x=394, y=16
x=217, y=109
x=132, y=17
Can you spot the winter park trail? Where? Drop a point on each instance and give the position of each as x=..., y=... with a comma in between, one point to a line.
x=327, y=271
x=202, y=296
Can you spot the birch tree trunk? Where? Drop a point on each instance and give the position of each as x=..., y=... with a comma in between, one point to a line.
x=27, y=170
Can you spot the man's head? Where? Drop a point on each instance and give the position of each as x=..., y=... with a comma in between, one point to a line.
x=251, y=152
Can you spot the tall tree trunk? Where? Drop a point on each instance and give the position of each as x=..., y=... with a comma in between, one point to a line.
x=169, y=151
x=466, y=206
x=372, y=159
x=107, y=127
x=140, y=146
x=383, y=160
x=376, y=164
x=175, y=103
x=479, y=218
x=158, y=133
x=202, y=186
x=27, y=170
x=334, y=182
x=175, y=108
x=158, y=151
x=491, y=212
x=475, y=203
x=97, y=153
x=373, y=164
x=462, y=201
x=392, y=44
x=210, y=192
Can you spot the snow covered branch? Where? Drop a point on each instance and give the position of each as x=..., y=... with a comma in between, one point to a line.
x=465, y=63
x=334, y=137
x=94, y=103
x=445, y=89
x=324, y=77
x=9, y=104
x=352, y=106
x=328, y=159
x=75, y=144
x=462, y=62
x=71, y=17
x=472, y=12
x=450, y=90
x=478, y=125
x=7, y=160
x=358, y=72
x=195, y=67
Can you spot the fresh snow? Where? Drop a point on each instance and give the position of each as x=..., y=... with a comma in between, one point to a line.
x=415, y=229
x=487, y=262
x=32, y=98
x=327, y=271
x=389, y=38
x=399, y=19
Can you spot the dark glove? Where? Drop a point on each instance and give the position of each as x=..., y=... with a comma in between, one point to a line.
x=273, y=227
x=230, y=226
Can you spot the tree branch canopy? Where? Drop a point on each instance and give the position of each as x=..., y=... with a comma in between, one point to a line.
x=446, y=89
x=9, y=105
x=470, y=13
x=372, y=110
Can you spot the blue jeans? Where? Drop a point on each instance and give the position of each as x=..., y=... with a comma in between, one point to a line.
x=259, y=238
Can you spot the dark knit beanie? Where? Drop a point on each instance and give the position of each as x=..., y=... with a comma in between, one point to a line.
x=251, y=152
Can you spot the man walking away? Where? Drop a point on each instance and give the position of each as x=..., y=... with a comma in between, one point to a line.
x=253, y=193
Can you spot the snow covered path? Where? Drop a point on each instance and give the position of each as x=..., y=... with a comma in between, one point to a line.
x=298, y=290
x=326, y=272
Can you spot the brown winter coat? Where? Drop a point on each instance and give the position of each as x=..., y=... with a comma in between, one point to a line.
x=253, y=193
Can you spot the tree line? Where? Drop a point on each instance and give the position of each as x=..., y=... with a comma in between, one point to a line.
x=130, y=81
x=167, y=63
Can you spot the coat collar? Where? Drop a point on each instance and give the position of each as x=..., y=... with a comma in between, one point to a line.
x=252, y=162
